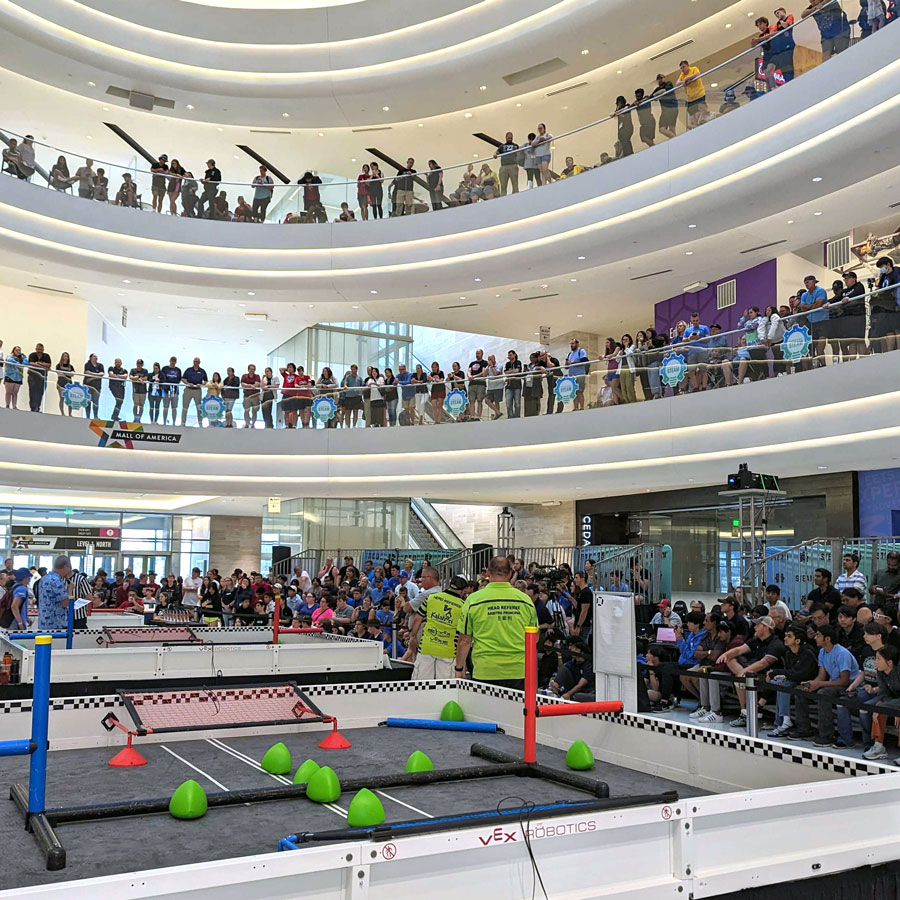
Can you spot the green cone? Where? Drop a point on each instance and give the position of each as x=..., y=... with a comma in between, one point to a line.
x=188, y=801
x=323, y=786
x=580, y=757
x=419, y=762
x=306, y=771
x=452, y=712
x=277, y=760
x=365, y=810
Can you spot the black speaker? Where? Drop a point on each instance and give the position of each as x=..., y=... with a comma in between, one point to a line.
x=280, y=553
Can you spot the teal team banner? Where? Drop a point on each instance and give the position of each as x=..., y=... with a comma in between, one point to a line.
x=565, y=388
x=672, y=369
x=76, y=396
x=456, y=402
x=324, y=409
x=796, y=343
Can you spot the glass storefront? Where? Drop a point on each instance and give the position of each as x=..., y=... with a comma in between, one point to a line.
x=324, y=524
x=704, y=540
x=339, y=345
x=108, y=540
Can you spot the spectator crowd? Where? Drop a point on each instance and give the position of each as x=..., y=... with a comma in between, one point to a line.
x=176, y=190
x=628, y=371
x=838, y=656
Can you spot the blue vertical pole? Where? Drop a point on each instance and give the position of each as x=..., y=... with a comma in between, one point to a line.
x=70, y=626
x=40, y=714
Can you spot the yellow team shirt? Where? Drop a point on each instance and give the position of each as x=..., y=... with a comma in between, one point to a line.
x=695, y=89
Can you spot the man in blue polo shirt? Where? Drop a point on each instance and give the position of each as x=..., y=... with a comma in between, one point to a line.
x=837, y=669
x=193, y=380
x=697, y=352
x=578, y=364
x=169, y=379
x=814, y=301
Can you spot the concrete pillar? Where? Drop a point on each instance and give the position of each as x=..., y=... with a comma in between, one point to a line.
x=234, y=542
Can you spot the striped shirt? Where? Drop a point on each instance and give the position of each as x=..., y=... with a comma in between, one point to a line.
x=854, y=579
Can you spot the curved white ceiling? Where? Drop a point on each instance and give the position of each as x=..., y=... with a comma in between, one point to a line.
x=639, y=205
x=329, y=67
x=697, y=439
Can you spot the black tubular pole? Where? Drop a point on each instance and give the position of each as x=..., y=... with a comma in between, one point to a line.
x=473, y=820
x=263, y=162
x=120, y=132
x=53, y=850
x=66, y=814
x=571, y=779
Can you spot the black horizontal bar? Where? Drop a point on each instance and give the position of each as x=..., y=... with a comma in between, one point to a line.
x=66, y=814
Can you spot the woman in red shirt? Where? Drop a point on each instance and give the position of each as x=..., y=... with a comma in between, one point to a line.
x=362, y=192
x=304, y=395
x=290, y=391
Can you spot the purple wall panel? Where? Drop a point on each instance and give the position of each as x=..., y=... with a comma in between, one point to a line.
x=755, y=287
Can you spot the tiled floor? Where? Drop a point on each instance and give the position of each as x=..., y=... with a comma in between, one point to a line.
x=766, y=724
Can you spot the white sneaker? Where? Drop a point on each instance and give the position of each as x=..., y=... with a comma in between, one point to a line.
x=699, y=713
x=712, y=718
x=876, y=751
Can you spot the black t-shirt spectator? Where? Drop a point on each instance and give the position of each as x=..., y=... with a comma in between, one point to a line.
x=158, y=182
x=853, y=640
x=741, y=626
x=232, y=388
x=513, y=368
x=476, y=368
x=116, y=384
x=213, y=174
x=584, y=598
x=665, y=93
x=508, y=155
x=404, y=181
x=831, y=598
x=92, y=384
x=38, y=358
x=853, y=309
x=770, y=647
x=139, y=387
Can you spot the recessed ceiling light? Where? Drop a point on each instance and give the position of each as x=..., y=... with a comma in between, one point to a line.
x=580, y=315
x=821, y=467
x=220, y=129
x=421, y=124
x=728, y=25
x=692, y=226
x=817, y=179
x=573, y=279
x=478, y=279
x=544, y=287
x=321, y=134
x=121, y=293
x=190, y=106
x=518, y=105
x=715, y=84
x=311, y=305
x=565, y=107
x=496, y=295
x=482, y=87
x=251, y=293
x=468, y=115
x=285, y=115
x=385, y=109
x=242, y=304
x=89, y=137
x=688, y=252
x=92, y=84
x=160, y=317
x=618, y=71
x=373, y=292
x=462, y=298
x=585, y=52
x=260, y=329
x=352, y=159
x=536, y=333
x=126, y=281
x=790, y=221
x=236, y=156
x=105, y=109
x=817, y=213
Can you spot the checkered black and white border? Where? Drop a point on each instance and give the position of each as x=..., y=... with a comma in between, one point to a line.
x=62, y=704
x=802, y=756
x=375, y=687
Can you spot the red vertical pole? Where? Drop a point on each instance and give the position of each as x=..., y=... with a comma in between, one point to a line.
x=277, y=618
x=530, y=694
